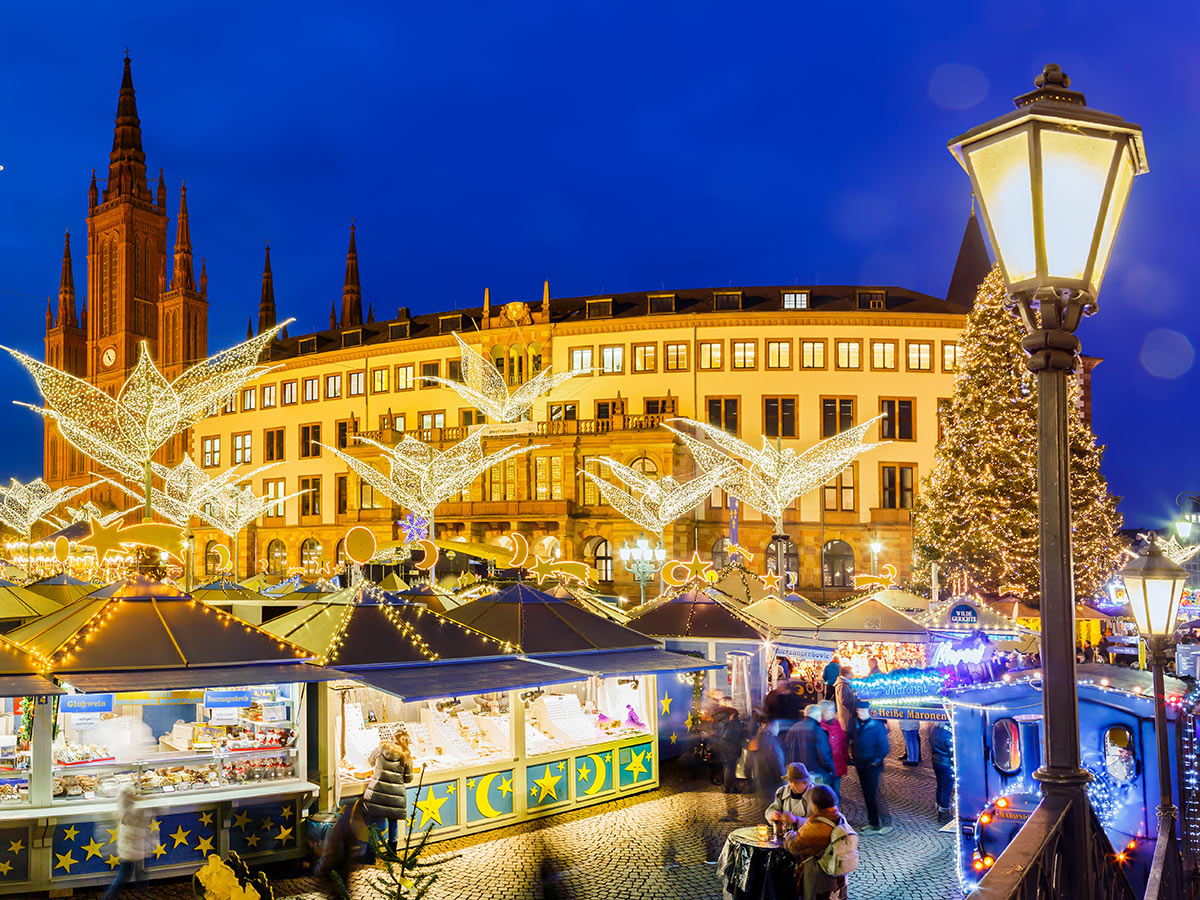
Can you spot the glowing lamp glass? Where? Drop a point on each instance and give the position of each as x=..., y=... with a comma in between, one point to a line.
x=1154, y=585
x=1184, y=529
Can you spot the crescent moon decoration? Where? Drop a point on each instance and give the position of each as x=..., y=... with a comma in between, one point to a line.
x=520, y=550
x=360, y=544
x=429, y=548
x=62, y=548
x=482, y=803
x=668, y=574
x=222, y=557
x=600, y=777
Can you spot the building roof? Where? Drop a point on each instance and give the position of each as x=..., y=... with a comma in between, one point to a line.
x=871, y=620
x=971, y=267
x=780, y=615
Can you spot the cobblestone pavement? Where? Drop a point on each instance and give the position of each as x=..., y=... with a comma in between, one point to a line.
x=653, y=847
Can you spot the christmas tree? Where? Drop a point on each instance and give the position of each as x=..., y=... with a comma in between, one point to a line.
x=977, y=511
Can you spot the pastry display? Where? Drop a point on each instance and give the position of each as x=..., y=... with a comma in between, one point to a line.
x=69, y=753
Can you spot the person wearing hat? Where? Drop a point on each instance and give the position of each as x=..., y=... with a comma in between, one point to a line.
x=791, y=804
x=869, y=746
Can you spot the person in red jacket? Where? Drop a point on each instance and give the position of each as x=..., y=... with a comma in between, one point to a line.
x=837, y=741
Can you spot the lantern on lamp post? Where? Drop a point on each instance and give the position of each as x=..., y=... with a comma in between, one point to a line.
x=642, y=561
x=1052, y=178
x=1154, y=585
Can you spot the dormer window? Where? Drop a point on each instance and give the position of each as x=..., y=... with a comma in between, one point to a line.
x=351, y=338
x=397, y=331
x=449, y=324
x=727, y=300
x=308, y=345
x=662, y=303
x=599, y=309
x=872, y=299
x=795, y=300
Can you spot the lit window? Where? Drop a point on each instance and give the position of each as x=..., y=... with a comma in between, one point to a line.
x=273, y=490
x=710, y=355
x=949, y=356
x=268, y=397
x=779, y=354
x=848, y=355
x=883, y=354
x=547, y=477
x=812, y=354
x=241, y=448
x=563, y=412
x=333, y=387
x=743, y=354
x=404, y=378
x=433, y=420
x=249, y=396
x=644, y=358
x=581, y=358
x=289, y=392
x=312, y=390
x=920, y=356
x=379, y=380
x=795, y=300
x=675, y=356
x=612, y=360
x=230, y=404
x=358, y=381
x=212, y=452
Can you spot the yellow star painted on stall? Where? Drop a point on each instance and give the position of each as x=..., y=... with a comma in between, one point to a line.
x=635, y=764
x=93, y=848
x=697, y=567
x=533, y=792
x=5, y=868
x=451, y=788
x=70, y=833
x=241, y=820
x=155, y=824
x=284, y=834
x=690, y=721
x=112, y=834
x=113, y=861
x=180, y=836
x=585, y=772
x=252, y=840
x=16, y=846
x=665, y=703
x=205, y=844
x=673, y=737
x=431, y=808
x=65, y=861
x=206, y=818
x=505, y=786
x=159, y=850
x=286, y=812
x=470, y=782
x=562, y=766
x=266, y=824
x=542, y=569
x=547, y=783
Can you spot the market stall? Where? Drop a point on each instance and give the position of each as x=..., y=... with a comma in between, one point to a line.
x=17, y=605
x=61, y=588
x=548, y=710
x=195, y=709
x=953, y=626
x=871, y=629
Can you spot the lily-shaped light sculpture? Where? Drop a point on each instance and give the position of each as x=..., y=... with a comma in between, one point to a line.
x=88, y=512
x=124, y=432
x=1172, y=549
x=655, y=503
x=24, y=505
x=236, y=506
x=771, y=479
x=485, y=389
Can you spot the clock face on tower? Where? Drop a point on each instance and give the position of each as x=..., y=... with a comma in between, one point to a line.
x=109, y=357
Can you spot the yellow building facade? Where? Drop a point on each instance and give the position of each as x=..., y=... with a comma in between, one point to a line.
x=789, y=364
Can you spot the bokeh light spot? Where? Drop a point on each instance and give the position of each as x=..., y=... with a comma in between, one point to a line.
x=955, y=86
x=1166, y=353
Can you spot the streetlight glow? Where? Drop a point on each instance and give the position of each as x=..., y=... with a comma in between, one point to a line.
x=1154, y=585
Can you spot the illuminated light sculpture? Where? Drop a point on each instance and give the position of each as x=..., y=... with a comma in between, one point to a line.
x=236, y=506
x=124, y=432
x=24, y=505
x=1170, y=548
x=485, y=389
x=885, y=581
x=421, y=477
x=654, y=503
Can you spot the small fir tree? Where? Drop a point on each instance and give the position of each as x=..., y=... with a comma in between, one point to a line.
x=977, y=511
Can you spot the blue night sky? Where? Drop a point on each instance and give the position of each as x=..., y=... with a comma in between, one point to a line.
x=605, y=147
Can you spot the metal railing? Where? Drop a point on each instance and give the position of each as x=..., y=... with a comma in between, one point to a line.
x=1166, y=880
x=550, y=428
x=1037, y=865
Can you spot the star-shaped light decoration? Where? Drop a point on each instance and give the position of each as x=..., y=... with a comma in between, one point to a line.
x=653, y=503
x=124, y=432
x=421, y=477
x=485, y=389
x=414, y=528
x=696, y=567
x=771, y=479
x=542, y=569
x=771, y=582
x=1172, y=549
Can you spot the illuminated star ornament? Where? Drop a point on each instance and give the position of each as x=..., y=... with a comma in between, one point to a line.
x=485, y=389
x=414, y=527
x=771, y=479
x=654, y=503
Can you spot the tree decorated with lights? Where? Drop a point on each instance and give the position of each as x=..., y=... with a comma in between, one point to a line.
x=977, y=512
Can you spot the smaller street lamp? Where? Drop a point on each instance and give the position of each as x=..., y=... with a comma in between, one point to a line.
x=1154, y=585
x=876, y=546
x=642, y=561
x=1189, y=514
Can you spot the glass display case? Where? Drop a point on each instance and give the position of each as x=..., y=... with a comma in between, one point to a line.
x=163, y=742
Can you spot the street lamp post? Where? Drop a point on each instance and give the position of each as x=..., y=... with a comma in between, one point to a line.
x=1154, y=585
x=642, y=561
x=1052, y=178
x=876, y=546
x=1189, y=514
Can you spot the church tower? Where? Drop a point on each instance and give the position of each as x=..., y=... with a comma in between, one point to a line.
x=183, y=313
x=127, y=251
x=66, y=349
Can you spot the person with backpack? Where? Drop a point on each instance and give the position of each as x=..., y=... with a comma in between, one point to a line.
x=825, y=847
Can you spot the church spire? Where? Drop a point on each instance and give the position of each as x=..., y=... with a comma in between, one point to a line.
x=127, y=161
x=161, y=194
x=93, y=192
x=333, y=320
x=183, y=278
x=266, y=303
x=972, y=264
x=66, y=288
x=351, y=289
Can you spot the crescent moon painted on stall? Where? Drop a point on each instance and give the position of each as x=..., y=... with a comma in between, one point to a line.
x=481, y=797
x=429, y=548
x=601, y=774
x=222, y=557
x=668, y=574
x=520, y=550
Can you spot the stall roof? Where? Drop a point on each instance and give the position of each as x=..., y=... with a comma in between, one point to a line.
x=19, y=603
x=423, y=593
x=393, y=582
x=870, y=620
x=61, y=588
x=694, y=614
x=741, y=585
x=458, y=679
x=591, y=601
x=226, y=591
x=990, y=621
x=28, y=686
x=780, y=615
x=156, y=624
x=536, y=622
x=377, y=629
x=814, y=611
x=648, y=661
x=198, y=677
x=1095, y=676
x=902, y=600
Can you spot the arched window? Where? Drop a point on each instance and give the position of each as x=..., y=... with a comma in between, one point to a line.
x=549, y=547
x=600, y=552
x=838, y=564
x=276, y=557
x=535, y=358
x=720, y=552
x=791, y=557
x=212, y=559
x=310, y=555
x=339, y=553
x=498, y=359
x=516, y=364
x=645, y=465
